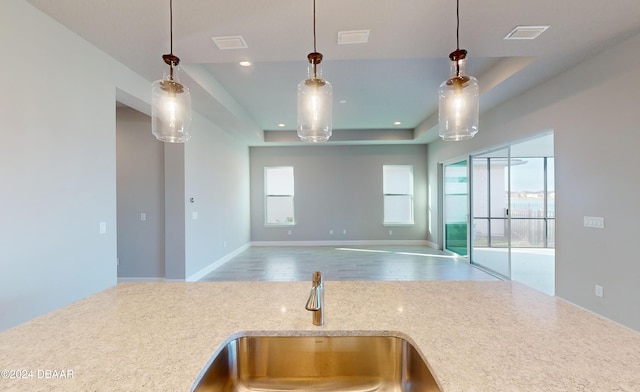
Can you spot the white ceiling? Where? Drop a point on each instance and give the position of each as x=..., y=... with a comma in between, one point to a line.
x=394, y=77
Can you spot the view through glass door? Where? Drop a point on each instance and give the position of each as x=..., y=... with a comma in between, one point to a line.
x=456, y=207
x=533, y=214
x=491, y=226
x=513, y=209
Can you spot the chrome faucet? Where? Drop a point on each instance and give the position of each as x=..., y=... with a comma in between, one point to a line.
x=315, y=303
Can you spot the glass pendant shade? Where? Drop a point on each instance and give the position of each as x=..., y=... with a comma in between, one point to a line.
x=170, y=109
x=459, y=102
x=315, y=99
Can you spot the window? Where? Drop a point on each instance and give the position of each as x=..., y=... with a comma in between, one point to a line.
x=397, y=186
x=278, y=195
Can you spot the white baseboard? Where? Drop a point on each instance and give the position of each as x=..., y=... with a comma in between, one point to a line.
x=346, y=243
x=432, y=245
x=127, y=280
x=206, y=270
x=595, y=313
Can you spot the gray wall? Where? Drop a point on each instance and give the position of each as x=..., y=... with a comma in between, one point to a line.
x=140, y=189
x=58, y=172
x=212, y=168
x=174, y=217
x=57, y=165
x=216, y=176
x=592, y=109
x=338, y=188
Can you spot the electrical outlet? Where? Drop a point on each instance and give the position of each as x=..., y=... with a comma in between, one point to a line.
x=599, y=291
x=344, y=231
x=330, y=232
x=143, y=216
x=289, y=232
x=595, y=222
x=103, y=227
x=390, y=232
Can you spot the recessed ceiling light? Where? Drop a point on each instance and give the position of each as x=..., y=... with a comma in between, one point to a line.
x=245, y=63
x=230, y=42
x=526, y=32
x=282, y=125
x=353, y=37
x=342, y=101
x=397, y=123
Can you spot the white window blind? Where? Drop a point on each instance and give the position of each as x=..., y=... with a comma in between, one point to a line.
x=278, y=187
x=398, y=194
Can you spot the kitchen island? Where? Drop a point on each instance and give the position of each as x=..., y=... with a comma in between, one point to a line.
x=475, y=336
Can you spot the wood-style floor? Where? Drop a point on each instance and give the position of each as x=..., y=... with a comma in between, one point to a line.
x=345, y=263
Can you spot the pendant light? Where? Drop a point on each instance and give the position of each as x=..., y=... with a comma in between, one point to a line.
x=459, y=96
x=170, y=100
x=314, y=99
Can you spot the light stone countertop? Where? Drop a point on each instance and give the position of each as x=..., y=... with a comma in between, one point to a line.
x=475, y=336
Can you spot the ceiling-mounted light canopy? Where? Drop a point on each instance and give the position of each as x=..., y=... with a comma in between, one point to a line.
x=314, y=99
x=459, y=95
x=170, y=100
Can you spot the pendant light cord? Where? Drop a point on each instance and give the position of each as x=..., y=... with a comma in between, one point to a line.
x=458, y=24
x=457, y=35
x=171, y=24
x=171, y=38
x=314, y=26
x=314, y=57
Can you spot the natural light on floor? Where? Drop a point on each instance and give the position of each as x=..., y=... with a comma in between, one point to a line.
x=400, y=253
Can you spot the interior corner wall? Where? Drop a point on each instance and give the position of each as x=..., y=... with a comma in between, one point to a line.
x=592, y=109
x=338, y=188
x=140, y=190
x=216, y=192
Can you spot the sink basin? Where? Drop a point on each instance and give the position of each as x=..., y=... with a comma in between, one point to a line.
x=317, y=363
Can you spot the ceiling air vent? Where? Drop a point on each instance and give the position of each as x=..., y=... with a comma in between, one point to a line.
x=526, y=32
x=353, y=37
x=231, y=42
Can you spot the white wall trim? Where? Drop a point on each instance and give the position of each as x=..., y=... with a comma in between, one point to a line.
x=346, y=243
x=128, y=280
x=595, y=314
x=206, y=270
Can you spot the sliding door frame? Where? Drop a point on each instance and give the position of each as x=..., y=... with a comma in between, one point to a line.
x=443, y=209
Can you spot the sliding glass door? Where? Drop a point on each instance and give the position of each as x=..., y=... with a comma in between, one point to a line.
x=491, y=228
x=513, y=212
x=456, y=207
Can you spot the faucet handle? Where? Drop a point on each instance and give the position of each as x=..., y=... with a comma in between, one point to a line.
x=316, y=279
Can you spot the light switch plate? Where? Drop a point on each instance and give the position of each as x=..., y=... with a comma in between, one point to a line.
x=103, y=227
